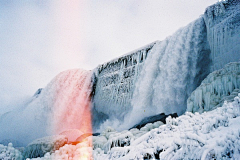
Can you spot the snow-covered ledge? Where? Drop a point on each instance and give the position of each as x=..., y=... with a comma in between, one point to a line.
x=220, y=85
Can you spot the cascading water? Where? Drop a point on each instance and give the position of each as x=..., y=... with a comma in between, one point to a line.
x=62, y=105
x=168, y=75
x=71, y=101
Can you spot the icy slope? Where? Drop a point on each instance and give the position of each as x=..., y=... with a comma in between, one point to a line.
x=220, y=85
x=223, y=32
x=63, y=104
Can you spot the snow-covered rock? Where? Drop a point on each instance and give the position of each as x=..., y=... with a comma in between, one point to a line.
x=70, y=152
x=39, y=147
x=220, y=85
x=210, y=135
x=9, y=153
x=223, y=29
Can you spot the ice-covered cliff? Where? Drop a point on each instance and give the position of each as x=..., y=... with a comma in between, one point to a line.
x=219, y=86
x=126, y=90
x=114, y=83
x=154, y=79
x=223, y=32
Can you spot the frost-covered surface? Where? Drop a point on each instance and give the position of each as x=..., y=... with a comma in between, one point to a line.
x=220, y=85
x=114, y=82
x=210, y=135
x=171, y=71
x=71, y=152
x=62, y=105
x=39, y=147
x=9, y=153
x=223, y=30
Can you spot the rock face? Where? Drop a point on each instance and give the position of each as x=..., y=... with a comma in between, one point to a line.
x=223, y=32
x=171, y=69
x=114, y=82
x=220, y=85
x=39, y=147
x=160, y=117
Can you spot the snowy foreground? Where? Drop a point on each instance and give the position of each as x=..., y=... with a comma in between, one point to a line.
x=210, y=135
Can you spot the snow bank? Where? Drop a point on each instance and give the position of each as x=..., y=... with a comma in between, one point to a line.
x=8, y=152
x=39, y=147
x=70, y=152
x=219, y=86
x=210, y=135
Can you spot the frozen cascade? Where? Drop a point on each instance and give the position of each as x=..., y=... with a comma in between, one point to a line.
x=223, y=32
x=62, y=105
x=169, y=73
x=114, y=82
x=220, y=85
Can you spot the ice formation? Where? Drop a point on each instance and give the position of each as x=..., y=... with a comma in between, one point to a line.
x=39, y=147
x=9, y=152
x=157, y=78
x=219, y=86
x=214, y=134
x=223, y=32
x=166, y=79
x=114, y=83
x=210, y=135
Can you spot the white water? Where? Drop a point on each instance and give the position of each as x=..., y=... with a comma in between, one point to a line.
x=62, y=105
x=168, y=75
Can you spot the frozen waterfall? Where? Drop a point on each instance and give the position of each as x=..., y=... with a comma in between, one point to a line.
x=172, y=70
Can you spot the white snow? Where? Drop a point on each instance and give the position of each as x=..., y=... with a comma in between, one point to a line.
x=39, y=147
x=209, y=135
x=213, y=134
x=8, y=152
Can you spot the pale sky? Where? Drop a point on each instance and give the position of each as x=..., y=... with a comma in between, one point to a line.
x=40, y=38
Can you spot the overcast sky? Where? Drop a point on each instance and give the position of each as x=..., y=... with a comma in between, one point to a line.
x=40, y=38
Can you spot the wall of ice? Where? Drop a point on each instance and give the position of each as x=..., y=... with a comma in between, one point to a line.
x=130, y=90
x=219, y=86
x=223, y=32
x=114, y=83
